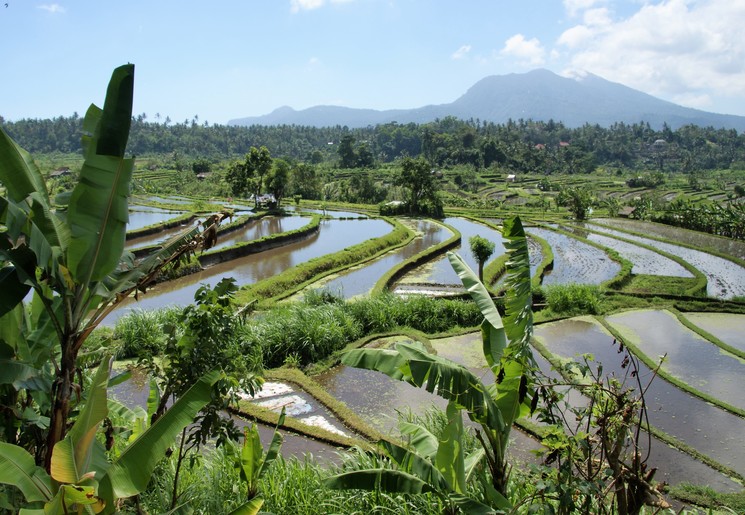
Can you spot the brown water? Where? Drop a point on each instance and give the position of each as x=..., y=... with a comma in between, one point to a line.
x=690, y=358
x=261, y=228
x=575, y=261
x=361, y=280
x=333, y=236
x=711, y=430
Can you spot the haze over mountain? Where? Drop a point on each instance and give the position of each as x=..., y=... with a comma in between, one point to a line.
x=536, y=95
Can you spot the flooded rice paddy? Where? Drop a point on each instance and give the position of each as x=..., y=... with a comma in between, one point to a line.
x=440, y=271
x=575, y=261
x=333, y=236
x=697, y=239
x=644, y=261
x=707, y=428
x=728, y=327
x=690, y=358
x=261, y=228
x=143, y=216
x=725, y=278
x=360, y=280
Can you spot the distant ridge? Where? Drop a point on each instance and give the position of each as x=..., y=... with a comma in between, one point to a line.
x=536, y=95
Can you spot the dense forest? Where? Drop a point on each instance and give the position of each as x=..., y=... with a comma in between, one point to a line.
x=521, y=146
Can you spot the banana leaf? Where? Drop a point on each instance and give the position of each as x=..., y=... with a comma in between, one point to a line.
x=98, y=210
x=130, y=473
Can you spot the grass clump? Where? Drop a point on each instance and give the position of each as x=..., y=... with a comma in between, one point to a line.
x=574, y=299
x=140, y=333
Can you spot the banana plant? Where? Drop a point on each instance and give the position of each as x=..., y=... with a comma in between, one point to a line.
x=70, y=253
x=493, y=407
x=253, y=464
x=81, y=479
x=426, y=465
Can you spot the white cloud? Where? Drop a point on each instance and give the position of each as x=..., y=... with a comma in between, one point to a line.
x=528, y=51
x=461, y=52
x=52, y=8
x=314, y=61
x=685, y=51
x=308, y=5
x=574, y=7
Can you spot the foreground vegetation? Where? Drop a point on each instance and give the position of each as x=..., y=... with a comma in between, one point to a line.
x=67, y=446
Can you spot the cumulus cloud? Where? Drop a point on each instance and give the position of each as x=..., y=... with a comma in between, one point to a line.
x=307, y=5
x=528, y=52
x=461, y=52
x=677, y=49
x=573, y=7
x=52, y=8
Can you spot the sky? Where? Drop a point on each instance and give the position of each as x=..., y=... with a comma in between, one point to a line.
x=225, y=59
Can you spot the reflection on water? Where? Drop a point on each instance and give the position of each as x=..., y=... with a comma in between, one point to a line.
x=440, y=271
x=725, y=278
x=333, y=236
x=261, y=228
x=142, y=218
x=361, y=280
x=710, y=430
x=728, y=327
x=689, y=357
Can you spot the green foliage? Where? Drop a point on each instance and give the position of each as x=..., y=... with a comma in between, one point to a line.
x=574, y=299
x=141, y=333
x=481, y=249
x=493, y=408
x=417, y=178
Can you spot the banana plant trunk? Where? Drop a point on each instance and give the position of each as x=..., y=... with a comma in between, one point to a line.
x=63, y=387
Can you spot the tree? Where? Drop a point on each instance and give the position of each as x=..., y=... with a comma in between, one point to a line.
x=481, y=249
x=259, y=164
x=304, y=181
x=417, y=177
x=347, y=155
x=278, y=180
x=577, y=200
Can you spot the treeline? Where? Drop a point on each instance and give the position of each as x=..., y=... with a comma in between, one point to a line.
x=522, y=145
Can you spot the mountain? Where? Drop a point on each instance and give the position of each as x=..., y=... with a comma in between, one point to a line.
x=536, y=95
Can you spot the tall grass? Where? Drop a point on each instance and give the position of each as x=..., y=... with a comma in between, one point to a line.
x=574, y=299
x=140, y=333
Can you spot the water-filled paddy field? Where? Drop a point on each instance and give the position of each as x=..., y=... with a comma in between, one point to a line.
x=697, y=239
x=333, y=236
x=730, y=328
x=439, y=271
x=689, y=357
x=645, y=261
x=142, y=216
x=726, y=279
x=360, y=280
x=575, y=261
x=705, y=427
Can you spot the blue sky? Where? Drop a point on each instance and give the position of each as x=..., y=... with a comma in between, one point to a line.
x=229, y=58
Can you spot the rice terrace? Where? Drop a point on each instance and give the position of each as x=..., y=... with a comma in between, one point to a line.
x=454, y=316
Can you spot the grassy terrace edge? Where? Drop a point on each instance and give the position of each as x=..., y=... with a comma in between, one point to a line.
x=298, y=277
